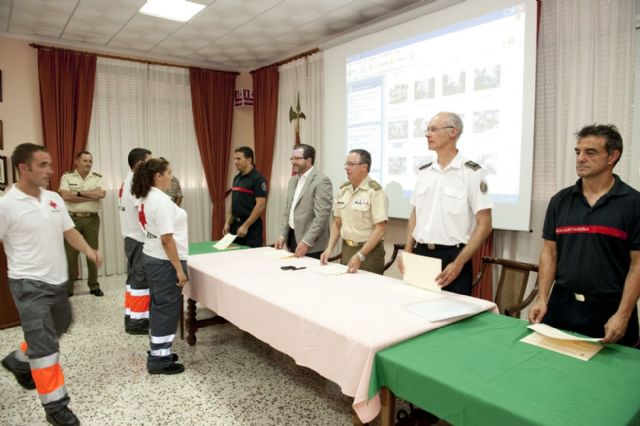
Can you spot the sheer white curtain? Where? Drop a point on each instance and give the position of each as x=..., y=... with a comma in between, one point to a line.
x=586, y=56
x=141, y=105
x=305, y=77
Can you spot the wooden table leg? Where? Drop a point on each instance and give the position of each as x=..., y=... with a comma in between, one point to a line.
x=191, y=321
x=194, y=324
x=388, y=401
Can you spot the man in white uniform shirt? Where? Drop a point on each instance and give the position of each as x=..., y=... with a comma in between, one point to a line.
x=136, y=297
x=305, y=223
x=34, y=224
x=451, y=214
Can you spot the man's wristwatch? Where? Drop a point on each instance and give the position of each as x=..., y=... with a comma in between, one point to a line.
x=361, y=256
x=78, y=194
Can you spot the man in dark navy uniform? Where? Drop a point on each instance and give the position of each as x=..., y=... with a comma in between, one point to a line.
x=248, y=200
x=592, y=247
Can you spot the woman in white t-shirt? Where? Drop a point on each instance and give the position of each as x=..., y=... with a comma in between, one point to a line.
x=165, y=260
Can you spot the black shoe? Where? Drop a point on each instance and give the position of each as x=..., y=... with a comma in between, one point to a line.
x=174, y=357
x=174, y=368
x=63, y=417
x=24, y=379
x=97, y=292
x=138, y=331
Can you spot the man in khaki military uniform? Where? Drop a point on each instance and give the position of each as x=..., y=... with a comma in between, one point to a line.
x=360, y=212
x=82, y=192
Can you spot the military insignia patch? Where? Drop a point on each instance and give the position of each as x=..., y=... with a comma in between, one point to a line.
x=484, y=187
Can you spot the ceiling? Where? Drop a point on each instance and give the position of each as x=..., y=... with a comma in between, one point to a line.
x=226, y=34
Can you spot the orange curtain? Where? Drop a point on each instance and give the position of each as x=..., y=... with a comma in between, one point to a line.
x=212, y=102
x=67, y=80
x=265, y=113
x=484, y=289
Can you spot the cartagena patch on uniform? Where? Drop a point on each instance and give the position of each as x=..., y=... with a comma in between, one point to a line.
x=360, y=202
x=264, y=186
x=484, y=187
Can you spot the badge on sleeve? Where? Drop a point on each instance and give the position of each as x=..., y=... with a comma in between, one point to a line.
x=484, y=187
x=264, y=186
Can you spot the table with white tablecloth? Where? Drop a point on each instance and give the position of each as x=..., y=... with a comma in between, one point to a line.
x=331, y=324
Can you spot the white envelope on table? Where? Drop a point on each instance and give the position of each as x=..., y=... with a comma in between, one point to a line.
x=444, y=308
x=225, y=242
x=331, y=269
x=554, y=333
x=421, y=271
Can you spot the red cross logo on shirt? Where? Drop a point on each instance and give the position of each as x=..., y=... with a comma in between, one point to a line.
x=53, y=204
x=141, y=217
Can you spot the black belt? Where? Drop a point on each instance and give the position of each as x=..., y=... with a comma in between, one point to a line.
x=570, y=294
x=430, y=246
x=83, y=214
x=596, y=299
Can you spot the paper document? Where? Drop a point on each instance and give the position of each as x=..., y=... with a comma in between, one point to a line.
x=444, y=308
x=578, y=349
x=278, y=254
x=331, y=269
x=554, y=333
x=225, y=242
x=421, y=271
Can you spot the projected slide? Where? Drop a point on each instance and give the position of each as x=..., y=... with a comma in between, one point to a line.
x=473, y=68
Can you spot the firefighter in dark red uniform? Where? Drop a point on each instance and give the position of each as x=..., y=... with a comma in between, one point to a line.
x=592, y=247
x=248, y=201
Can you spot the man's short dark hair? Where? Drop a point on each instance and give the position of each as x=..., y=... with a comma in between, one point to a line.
x=307, y=152
x=23, y=153
x=246, y=151
x=81, y=153
x=365, y=157
x=613, y=140
x=136, y=155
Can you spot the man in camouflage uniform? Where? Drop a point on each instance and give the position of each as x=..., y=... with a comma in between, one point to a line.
x=360, y=212
x=175, y=192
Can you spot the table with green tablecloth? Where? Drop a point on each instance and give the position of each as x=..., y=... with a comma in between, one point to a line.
x=477, y=372
x=207, y=247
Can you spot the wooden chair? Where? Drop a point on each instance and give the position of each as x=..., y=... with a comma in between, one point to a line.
x=512, y=284
x=396, y=248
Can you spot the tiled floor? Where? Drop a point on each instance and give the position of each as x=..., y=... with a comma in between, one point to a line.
x=231, y=378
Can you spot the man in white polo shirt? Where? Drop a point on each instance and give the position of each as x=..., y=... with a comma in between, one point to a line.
x=136, y=297
x=34, y=223
x=451, y=215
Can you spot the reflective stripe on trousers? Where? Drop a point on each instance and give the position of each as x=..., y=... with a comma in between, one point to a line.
x=47, y=375
x=139, y=301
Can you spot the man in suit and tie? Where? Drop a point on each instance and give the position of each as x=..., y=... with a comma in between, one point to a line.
x=305, y=223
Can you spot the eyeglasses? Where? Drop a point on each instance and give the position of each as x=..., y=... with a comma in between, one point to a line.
x=296, y=158
x=352, y=164
x=434, y=129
